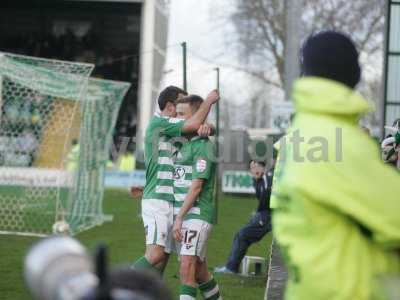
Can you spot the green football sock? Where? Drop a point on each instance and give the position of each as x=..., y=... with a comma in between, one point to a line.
x=159, y=271
x=210, y=290
x=143, y=263
x=187, y=292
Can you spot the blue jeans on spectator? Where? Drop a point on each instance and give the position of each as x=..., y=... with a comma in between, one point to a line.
x=255, y=230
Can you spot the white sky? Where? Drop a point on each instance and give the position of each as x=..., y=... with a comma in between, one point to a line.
x=189, y=21
x=202, y=24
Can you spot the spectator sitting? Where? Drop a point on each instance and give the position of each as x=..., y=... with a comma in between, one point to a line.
x=117, y=64
x=260, y=223
x=27, y=144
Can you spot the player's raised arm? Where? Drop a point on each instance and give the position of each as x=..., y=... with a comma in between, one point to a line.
x=206, y=130
x=193, y=124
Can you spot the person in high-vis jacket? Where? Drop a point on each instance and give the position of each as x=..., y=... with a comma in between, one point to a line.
x=72, y=159
x=337, y=214
x=127, y=162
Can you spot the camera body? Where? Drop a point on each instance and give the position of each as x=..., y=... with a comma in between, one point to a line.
x=59, y=268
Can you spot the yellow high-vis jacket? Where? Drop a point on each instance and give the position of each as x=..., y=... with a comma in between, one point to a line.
x=337, y=205
x=127, y=163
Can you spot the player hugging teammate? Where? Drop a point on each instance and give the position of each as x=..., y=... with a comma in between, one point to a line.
x=158, y=199
x=194, y=179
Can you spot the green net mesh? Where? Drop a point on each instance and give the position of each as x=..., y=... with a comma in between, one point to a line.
x=100, y=114
x=46, y=106
x=65, y=67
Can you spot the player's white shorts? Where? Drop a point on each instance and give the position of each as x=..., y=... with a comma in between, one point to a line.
x=195, y=234
x=158, y=221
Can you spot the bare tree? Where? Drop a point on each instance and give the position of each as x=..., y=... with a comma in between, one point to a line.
x=261, y=29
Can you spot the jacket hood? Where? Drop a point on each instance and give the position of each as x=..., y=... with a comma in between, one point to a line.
x=324, y=96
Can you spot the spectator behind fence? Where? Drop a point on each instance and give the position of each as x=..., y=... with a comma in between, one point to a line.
x=111, y=63
x=127, y=161
x=258, y=226
x=72, y=159
x=337, y=217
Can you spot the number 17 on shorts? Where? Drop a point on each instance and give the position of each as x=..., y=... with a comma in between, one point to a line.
x=195, y=235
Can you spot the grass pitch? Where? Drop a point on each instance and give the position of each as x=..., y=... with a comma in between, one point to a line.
x=125, y=238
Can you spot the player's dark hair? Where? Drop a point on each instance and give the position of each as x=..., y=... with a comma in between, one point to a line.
x=169, y=94
x=194, y=101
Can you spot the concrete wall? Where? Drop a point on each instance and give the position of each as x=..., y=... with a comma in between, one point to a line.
x=154, y=34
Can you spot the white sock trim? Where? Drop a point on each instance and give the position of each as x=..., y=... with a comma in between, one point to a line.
x=211, y=293
x=186, y=297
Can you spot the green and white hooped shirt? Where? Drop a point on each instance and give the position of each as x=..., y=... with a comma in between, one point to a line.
x=158, y=151
x=195, y=160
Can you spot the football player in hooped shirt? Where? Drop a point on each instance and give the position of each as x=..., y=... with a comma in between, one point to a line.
x=158, y=194
x=193, y=189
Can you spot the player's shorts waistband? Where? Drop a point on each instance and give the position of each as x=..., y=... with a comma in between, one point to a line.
x=193, y=210
x=157, y=199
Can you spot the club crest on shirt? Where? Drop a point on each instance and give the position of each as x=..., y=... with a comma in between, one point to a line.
x=201, y=165
x=179, y=173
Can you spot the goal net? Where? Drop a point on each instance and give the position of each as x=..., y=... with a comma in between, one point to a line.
x=100, y=112
x=49, y=119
